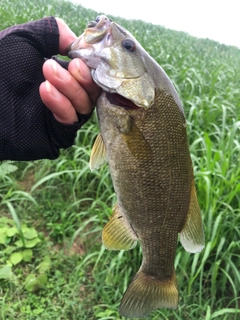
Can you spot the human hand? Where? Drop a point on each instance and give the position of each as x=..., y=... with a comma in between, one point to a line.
x=68, y=92
x=32, y=125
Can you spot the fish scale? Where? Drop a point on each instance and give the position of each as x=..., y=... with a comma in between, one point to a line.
x=143, y=193
x=143, y=139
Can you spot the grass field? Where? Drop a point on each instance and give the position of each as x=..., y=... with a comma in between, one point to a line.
x=57, y=209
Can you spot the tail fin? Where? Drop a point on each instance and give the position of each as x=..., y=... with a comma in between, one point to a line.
x=146, y=293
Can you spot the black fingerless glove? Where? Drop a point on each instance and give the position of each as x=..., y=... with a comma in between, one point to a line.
x=28, y=130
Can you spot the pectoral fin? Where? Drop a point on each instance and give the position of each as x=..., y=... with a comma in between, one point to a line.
x=98, y=154
x=136, y=141
x=192, y=236
x=118, y=234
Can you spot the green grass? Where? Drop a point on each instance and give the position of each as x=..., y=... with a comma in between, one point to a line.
x=68, y=205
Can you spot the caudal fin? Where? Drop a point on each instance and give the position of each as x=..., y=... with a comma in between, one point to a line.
x=146, y=294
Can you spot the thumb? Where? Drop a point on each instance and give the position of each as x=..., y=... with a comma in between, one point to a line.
x=66, y=36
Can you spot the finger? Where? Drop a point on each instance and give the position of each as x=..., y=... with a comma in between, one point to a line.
x=57, y=103
x=65, y=83
x=82, y=74
x=66, y=36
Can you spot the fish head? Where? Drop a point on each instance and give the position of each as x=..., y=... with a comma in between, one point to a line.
x=117, y=61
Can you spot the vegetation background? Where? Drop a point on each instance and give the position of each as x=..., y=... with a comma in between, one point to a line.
x=52, y=262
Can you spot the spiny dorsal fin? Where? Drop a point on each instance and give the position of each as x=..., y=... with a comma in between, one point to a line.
x=98, y=154
x=118, y=234
x=192, y=236
x=147, y=293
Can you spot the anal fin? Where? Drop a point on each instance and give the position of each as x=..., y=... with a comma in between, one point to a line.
x=118, y=234
x=192, y=235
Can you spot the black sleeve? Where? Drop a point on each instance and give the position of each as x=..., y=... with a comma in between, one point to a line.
x=28, y=130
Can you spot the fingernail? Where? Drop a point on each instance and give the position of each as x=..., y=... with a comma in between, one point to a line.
x=51, y=90
x=61, y=73
x=54, y=66
x=48, y=86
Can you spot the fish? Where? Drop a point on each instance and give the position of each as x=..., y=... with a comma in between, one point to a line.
x=143, y=139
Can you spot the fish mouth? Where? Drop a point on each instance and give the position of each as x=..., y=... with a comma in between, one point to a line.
x=100, y=20
x=120, y=101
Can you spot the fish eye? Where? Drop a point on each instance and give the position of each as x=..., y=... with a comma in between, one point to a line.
x=97, y=19
x=92, y=24
x=129, y=45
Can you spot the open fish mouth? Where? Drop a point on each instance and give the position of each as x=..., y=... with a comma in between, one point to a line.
x=120, y=101
x=93, y=23
x=112, y=55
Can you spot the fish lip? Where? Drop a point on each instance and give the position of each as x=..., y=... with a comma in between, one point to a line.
x=74, y=48
x=102, y=21
x=95, y=32
x=97, y=29
x=99, y=19
x=69, y=49
x=72, y=53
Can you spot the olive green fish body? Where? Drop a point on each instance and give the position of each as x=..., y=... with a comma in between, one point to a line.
x=151, y=173
x=152, y=176
x=143, y=138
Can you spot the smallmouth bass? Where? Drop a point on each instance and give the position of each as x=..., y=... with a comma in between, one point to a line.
x=143, y=138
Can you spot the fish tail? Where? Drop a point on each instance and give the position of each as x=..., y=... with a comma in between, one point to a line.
x=146, y=293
